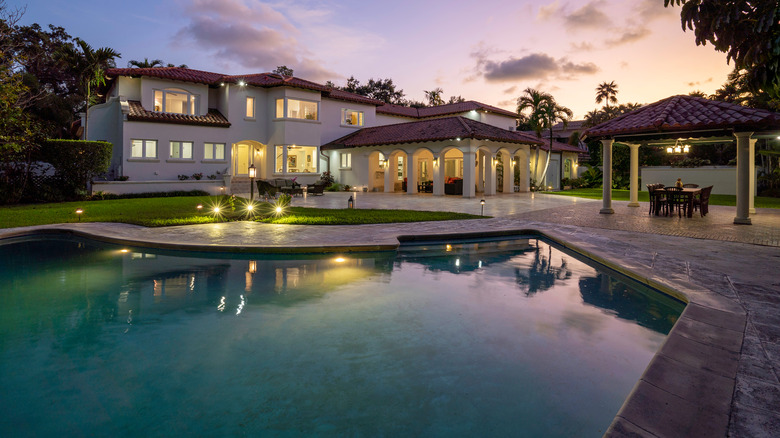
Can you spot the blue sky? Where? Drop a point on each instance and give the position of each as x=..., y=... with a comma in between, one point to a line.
x=487, y=51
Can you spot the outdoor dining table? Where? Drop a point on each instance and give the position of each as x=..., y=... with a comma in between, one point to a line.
x=689, y=193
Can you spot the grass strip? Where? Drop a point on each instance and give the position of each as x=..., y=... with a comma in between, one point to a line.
x=623, y=195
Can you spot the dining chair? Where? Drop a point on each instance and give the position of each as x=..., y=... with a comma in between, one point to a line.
x=657, y=198
x=675, y=199
x=703, y=201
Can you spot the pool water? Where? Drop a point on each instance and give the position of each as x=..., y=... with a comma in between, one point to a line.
x=510, y=338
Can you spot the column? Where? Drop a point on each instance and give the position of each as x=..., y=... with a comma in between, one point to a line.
x=480, y=174
x=438, y=175
x=752, y=182
x=606, y=153
x=509, y=173
x=411, y=175
x=490, y=175
x=744, y=162
x=469, y=174
x=525, y=171
x=389, y=180
x=634, y=192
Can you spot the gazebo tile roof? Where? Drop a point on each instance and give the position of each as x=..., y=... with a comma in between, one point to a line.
x=446, y=128
x=685, y=113
x=137, y=113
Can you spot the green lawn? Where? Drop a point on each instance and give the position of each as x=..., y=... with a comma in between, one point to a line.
x=157, y=212
x=623, y=195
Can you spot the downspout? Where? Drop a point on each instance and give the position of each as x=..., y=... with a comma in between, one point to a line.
x=327, y=158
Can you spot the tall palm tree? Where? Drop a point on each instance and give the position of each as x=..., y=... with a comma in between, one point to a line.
x=530, y=108
x=146, y=63
x=554, y=113
x=90, y=65
x=607, y=92
x=434, y=97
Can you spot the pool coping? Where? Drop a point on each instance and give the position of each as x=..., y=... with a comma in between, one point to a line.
x=686, y=389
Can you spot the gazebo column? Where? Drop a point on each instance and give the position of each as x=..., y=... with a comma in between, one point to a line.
x=480, y=174
x=509, y=173
x=438, y=175
x=634, y=192
x=752, y=182
x=490, y=175
x=525, y=171
x=606, y=153
x=411, y=175
x=389, y=182
x=744, y=162
x=469, y=174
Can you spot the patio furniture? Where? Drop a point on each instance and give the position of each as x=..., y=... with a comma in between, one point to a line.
x=265, y=188
x=453, y=186
x=317, y=188
x=657, y=198
x=425, y=187
x=702, y=202
x=675, y=199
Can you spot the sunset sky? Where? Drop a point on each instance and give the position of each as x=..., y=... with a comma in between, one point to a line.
x=489, y=50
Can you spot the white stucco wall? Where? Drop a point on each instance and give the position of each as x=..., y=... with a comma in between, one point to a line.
x=124, y=187
x=330, y=116
x=723, y=179
x=106, y=124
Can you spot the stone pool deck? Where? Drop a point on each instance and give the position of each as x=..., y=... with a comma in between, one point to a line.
x=716, y=374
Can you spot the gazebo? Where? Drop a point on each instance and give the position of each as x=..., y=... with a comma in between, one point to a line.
x=693, y=120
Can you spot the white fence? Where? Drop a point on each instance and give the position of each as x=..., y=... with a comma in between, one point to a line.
x=213, y=187
x=722, y=178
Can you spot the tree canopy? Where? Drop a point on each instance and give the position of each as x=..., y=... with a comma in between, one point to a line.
x=379, y=89
x=747, y=31
x=283, y=70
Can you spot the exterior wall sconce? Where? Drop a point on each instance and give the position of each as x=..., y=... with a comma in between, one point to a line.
x=514, y=162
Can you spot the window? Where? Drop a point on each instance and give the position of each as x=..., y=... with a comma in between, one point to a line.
x=144, y=149
x=181, y=150
x=346, y=161
x=214, y=151
x=176, y=101
x=400, y=168
x=250, y=107
x=301, y=109
x=351, y=117
x=423, y=172
x=279, y=108
x=295, y=159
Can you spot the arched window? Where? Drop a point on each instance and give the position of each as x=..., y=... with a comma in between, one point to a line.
x=176, y=101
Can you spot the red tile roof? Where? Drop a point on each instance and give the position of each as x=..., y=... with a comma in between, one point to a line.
x=560, y=147
x=172, y=73
x=447, y=128
x=441, y=110
x=139, y=114
x=686, y=113
x=265, y=80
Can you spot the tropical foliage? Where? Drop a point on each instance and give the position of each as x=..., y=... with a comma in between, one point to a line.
x=747, y=31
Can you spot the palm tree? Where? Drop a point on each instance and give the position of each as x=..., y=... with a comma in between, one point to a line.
x=554, y=113
x=607, y=92
x=90, y=65
x=532, y=103
x=146, y=63
x=434, y=97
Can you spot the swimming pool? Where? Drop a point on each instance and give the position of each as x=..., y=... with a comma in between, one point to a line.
x=482, y=338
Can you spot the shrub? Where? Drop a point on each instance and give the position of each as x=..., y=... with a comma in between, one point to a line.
x=335, y=187
x=184, y=177
x=691, y=162
x=76, y=163
x=328, y=179
x=197, y=176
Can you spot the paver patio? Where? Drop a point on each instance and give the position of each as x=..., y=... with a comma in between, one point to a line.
x=718, y=371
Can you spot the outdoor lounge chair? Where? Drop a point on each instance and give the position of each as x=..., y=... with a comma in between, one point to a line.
x=454, y=187
x=317, y=188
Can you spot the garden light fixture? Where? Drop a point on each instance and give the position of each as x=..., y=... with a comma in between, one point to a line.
x=79, y=211
x=482, y=204
x=252, y=174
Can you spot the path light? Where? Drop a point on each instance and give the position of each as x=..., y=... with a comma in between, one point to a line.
x=199, y=207
x=279, y=210
x=482, y=203
x=78, y=213
x=252, y=174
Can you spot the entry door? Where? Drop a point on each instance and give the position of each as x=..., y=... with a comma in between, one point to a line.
x=554, y=172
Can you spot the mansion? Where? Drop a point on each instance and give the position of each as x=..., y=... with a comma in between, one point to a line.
x=168, y=124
